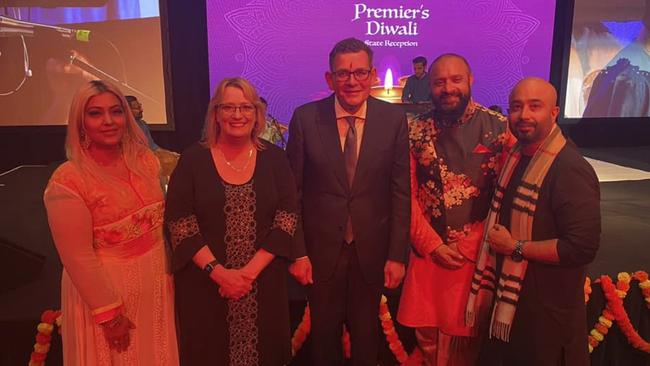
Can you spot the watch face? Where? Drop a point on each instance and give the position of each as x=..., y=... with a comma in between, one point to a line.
x=518, y=254
x=208, y=268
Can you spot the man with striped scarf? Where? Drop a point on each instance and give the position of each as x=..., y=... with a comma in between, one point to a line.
x=543, y=230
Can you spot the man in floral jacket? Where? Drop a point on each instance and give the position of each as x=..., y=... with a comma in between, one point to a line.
x=455, y=154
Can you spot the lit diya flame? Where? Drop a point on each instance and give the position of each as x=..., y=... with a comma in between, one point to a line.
x=388, y=81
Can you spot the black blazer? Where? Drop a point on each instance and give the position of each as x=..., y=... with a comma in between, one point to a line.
x=378, y=201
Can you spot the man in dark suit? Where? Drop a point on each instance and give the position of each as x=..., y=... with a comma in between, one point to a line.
x=349, y=155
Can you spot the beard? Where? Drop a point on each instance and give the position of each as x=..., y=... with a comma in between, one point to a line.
x=528, y=133
x=523, y=138
x=451, y=113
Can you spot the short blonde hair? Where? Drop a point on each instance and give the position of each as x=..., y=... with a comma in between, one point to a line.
x=211, y=127
x=133, y=141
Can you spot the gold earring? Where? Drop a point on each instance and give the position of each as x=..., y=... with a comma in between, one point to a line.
x=85, y=141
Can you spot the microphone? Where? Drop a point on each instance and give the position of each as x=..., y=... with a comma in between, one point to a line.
x=98, y=73
x=10, y=27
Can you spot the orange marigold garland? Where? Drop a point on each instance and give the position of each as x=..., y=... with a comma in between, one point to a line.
x=605, y=321
x=388, y=328
x=395, y=345
x=644, y=285
x=44, y=337
x=301, y=332
x=303, y=329
x=623, y=284
x=345, y=341
x=614, y=311
x=600, y=330
x=615, y=303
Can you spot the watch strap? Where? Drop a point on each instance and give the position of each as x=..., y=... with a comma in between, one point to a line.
x=208, y=268
x=518, y=253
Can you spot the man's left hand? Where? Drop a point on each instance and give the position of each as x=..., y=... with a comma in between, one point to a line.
x=500, y=240
x=393, y=274
x=301, y=269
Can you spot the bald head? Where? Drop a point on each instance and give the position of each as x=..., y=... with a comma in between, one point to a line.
x=450, y=58
x=533, y=111
x=539, y=87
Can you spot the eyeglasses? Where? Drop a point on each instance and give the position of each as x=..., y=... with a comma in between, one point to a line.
x=344, y=75
x=245, y=109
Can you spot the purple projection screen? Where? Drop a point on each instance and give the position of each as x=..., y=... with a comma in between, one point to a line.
x=282, y=46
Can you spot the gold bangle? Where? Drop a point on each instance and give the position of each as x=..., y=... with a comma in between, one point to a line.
x=113, y=323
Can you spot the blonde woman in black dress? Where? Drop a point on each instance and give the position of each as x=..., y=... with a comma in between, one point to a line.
x=231, y=214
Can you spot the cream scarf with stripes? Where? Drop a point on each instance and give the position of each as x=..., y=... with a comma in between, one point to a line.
x=521, y=227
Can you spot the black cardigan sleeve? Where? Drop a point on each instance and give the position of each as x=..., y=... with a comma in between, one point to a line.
x=180, y=218
x=279, y=240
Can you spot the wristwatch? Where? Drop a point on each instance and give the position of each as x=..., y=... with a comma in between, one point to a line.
x=210, y=266
x=518, y=253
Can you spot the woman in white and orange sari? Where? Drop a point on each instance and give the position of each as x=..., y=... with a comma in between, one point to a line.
x=105, y=210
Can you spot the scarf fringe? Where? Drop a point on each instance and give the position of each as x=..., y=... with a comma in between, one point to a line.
x=475, y=313
x=501, y=331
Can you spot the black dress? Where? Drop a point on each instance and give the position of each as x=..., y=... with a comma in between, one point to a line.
x=234, y=221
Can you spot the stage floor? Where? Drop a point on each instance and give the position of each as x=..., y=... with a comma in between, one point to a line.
x=624, y=174
x=609, y=172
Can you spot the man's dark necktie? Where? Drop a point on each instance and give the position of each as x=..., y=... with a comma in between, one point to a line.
x=350, y=156
x=350, y=150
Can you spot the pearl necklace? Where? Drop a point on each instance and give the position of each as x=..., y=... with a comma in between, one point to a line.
x=238, y=170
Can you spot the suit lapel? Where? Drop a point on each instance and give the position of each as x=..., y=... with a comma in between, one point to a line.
x=329, y=134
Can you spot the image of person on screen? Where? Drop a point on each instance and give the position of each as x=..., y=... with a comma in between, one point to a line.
x=592, y=48
x=349, y=155
x=543, y=230
x=455, y=153
x=74, y=12
x=416, y=89
x=622, y=89
x=49, y=81
x=45, y=57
